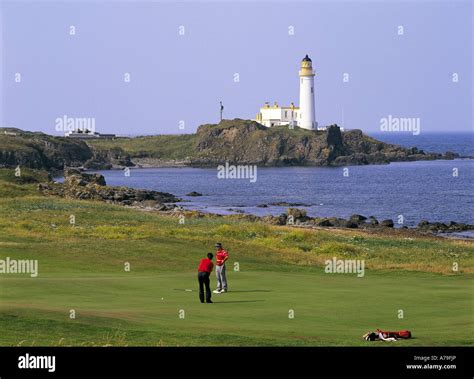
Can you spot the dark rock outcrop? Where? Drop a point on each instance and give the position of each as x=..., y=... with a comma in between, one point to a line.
x=357, y=219
x=387, y=223
x=335, y=143
x=282, y=219
x=324, y=222
x=373, y=220
x=337, y=221
x=351, y=224
x=299, y=217
x=74, y=177
x=194, y=194
x=82, y=186
x=297, y=214
x=439, y=227
x=287, y=204
x=108, y=159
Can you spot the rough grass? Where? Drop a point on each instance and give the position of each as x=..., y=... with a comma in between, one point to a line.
x=23, y=176
x=44, y=219
x=21, y=183
x=15, y=143
x=177, y=147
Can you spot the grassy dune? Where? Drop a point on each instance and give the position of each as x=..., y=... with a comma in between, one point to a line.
x=81, y=267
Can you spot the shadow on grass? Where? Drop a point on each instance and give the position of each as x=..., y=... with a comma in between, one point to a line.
x=237, y=301
x=251, y=291
x=195, y=290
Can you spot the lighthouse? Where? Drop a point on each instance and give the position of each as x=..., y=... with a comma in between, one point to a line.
x=307, y=118
x=303, y=116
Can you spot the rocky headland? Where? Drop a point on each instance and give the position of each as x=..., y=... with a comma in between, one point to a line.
x=234, y=141
x=248, y=142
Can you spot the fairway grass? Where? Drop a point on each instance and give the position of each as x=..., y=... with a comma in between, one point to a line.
x=280, y=274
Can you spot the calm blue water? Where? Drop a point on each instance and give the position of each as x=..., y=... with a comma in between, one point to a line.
x=416, y=190
x=461, y=143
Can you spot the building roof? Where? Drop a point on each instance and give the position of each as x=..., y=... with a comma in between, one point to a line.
x=307, y=59
x=278, y=107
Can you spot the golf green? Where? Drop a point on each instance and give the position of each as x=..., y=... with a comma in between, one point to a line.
x=261, y=308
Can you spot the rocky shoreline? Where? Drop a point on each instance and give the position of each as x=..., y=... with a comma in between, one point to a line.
x=83, y=186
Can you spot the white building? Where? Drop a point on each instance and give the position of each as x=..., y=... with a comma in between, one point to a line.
x=303, y=116
x=271, y=115
x=88, y=134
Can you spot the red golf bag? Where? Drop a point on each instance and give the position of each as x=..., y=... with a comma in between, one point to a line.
x=400, y=334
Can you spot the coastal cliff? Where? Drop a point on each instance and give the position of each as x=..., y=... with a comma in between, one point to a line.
x=248, y=142
x=235, y=141
x=42, y=151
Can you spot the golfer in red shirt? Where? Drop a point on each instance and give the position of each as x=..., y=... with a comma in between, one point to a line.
x=221, y=258
x=204, y=272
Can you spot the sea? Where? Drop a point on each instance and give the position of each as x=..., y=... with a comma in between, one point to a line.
x=406, y=192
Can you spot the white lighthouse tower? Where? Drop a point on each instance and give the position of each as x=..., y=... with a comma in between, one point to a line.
x=303, y=116
x=307, y=117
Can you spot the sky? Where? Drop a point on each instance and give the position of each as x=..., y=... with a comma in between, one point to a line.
x=182, y=58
